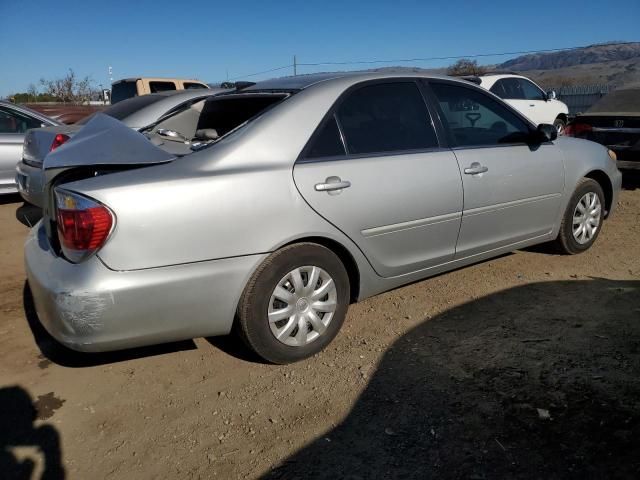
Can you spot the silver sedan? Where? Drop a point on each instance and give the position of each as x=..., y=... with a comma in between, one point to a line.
x=15, y=120
x=269, y=210
x=135, y=113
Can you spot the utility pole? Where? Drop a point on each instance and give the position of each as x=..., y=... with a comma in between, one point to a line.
x=295, y=66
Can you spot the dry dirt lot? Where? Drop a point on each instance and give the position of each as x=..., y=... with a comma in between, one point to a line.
x=526, y=366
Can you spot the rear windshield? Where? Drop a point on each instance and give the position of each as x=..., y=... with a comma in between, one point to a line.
x=123, y=90
x=619, y=101
x=122, y=110
x=206, y=121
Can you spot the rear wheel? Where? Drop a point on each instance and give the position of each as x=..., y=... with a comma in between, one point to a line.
x=294, y=304
x=583, y=218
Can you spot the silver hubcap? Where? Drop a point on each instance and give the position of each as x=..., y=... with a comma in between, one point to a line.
x=586, y=218
x=302, y=306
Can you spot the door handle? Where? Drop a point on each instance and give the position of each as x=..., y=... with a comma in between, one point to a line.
x=475, y=169
x=332, y=184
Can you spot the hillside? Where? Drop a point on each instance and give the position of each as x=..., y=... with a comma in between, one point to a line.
x=603, y=53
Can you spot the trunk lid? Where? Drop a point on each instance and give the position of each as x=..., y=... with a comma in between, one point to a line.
x=619, y=132
x=103, y=145
x=37, y=142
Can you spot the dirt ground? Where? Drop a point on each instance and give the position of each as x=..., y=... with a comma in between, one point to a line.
x=525, y=366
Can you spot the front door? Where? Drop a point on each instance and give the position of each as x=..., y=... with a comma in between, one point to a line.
x=374, y=170
x=512, y=190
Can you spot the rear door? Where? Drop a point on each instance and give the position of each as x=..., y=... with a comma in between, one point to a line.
x=512, y=190
x=374, y=169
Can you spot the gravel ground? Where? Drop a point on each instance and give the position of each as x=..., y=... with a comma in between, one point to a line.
x=525, y=366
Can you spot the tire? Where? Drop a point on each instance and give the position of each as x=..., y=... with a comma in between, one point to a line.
x=560, y=125
x=570, y=243
x=259, y=301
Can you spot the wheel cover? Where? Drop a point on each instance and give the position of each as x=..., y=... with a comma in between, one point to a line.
x=586, y=218
x=302, y=305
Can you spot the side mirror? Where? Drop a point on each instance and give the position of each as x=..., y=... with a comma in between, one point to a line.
x=545, y=133
x=551, y=95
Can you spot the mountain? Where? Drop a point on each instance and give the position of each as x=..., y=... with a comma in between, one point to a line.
x=608, y=52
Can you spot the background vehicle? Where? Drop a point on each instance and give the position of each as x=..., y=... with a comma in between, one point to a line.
x=614, y=122
x=291, y=199
x=527, y=97
x=135, y=113
x=133, y=87
x=15, y=120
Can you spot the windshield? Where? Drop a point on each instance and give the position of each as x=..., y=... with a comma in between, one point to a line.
x=122, y=110
x=626, y=100
x=123, y=90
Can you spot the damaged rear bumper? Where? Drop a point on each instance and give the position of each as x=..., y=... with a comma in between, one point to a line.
x=88, y=307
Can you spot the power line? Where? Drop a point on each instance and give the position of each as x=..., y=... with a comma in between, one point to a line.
x=261, y=73
x=424, y=59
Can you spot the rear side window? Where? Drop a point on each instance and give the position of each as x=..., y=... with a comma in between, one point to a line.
x=193, y=86
x=156, y=87
x=476, y=119
x=327, y=143
x=387, y=117
x=123, y=90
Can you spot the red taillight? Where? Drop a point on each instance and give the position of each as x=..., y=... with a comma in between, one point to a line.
x=577, y=129
x=58, y=140
x=83, y=224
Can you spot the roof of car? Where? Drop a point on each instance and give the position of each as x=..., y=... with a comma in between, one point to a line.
x=300, y=82
x=29, y=111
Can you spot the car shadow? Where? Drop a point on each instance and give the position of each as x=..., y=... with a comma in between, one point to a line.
x=538, y=381
x=18, y=415
x=630, y=179
x=57, y=353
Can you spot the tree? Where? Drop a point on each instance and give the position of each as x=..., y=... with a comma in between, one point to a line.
x=465, y=66
x=69, y=88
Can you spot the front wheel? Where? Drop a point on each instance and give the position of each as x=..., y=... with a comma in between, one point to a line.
x=295, y=303
x=583, y=218
x=560, y=125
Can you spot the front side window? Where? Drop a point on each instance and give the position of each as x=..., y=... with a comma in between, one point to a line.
x=476, y=119
x=192, y=86
x=12, y=121
x=387, y=117
x=155, y=87
x=530, y=91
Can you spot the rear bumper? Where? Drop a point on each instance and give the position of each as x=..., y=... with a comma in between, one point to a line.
x=88, y=307
x=30, y=181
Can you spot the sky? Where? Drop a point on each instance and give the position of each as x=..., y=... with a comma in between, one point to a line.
x=213, y=41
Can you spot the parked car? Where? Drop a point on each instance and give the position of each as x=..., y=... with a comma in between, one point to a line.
x=527, y=97
x=133, y=87
x=281, y=204
x=614, y=121
x=135, y=113
x=15, y=120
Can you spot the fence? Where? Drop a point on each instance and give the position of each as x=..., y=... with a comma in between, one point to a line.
x=579, y=98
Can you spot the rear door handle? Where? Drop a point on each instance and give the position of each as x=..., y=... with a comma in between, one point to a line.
x=475, y=169
x=332, y=184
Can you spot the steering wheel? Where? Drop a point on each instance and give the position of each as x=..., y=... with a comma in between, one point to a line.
x=473, y=118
